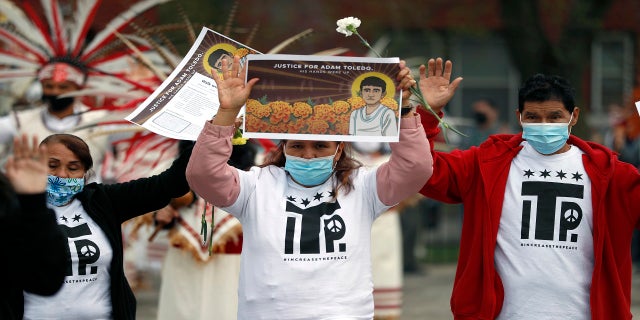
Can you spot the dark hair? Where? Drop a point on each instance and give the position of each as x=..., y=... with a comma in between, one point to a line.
x=490, y=102
x=215, y=55
x=79, y=148
x=374, y=82
x=540, y=88
x=344, y=166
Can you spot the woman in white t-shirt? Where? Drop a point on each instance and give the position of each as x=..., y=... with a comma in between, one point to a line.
x=306, y=213
x=90, y=215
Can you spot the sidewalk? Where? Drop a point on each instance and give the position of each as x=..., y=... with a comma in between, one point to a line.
x=426, y=296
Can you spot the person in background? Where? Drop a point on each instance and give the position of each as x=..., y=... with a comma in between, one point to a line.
x=548, y=217
x=34, y=250
x=306, y=212
x=91, y=216
x=57, y=114
x=198, y=284
x=386, y=242
x=486, y=116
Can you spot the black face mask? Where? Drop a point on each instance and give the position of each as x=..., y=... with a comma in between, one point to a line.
x=480, y=118
x=57, y=104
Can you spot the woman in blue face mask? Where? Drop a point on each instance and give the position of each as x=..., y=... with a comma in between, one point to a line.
x=306, y=212
x=90, y=215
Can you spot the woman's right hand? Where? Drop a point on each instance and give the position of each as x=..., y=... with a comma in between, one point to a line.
x=27, y=168
x=233, y=92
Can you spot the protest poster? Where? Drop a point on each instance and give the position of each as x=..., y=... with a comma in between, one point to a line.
x=323, y=98
x=189, y=96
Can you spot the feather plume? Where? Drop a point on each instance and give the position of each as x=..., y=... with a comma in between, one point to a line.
x=11, y=37
x=17, y=17
x=54, y=17
x=148, y=41
x=252, y=34
x=13, y=74
x=85, y=13
x=117, y=24
x=190, y=31
x=18, y=60
x=290, y=40
x=33, y=15
x=232, y=15
x=141, y=57
x=331, y=52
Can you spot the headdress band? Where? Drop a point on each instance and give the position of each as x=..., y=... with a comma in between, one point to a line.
x=60, y=71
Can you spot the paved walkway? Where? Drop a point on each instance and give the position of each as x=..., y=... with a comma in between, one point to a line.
x=426, y=296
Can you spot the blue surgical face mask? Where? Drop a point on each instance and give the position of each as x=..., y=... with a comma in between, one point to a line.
x=309, y=172
x=60, y=191
x=546, y=138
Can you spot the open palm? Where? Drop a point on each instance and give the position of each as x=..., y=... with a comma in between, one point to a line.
x=27, y=168
x=435, y=83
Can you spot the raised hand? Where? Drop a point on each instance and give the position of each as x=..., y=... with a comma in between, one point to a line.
x=232, y=92
x=435, y=84
x=27, y=168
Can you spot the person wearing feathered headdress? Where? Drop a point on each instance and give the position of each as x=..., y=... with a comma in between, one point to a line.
x=67, y=63
x=58, y=113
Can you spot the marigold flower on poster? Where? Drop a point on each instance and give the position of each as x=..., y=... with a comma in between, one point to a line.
x=321, y=110
x=390, y=102
x=302, y=110
x=356, y=102
x=241, y=52
x=295, y=127
x=342, y=127
x=318, y=127
x=341, y=106
x=256, y=124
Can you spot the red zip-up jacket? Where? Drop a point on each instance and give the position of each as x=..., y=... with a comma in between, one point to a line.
x=477, y=178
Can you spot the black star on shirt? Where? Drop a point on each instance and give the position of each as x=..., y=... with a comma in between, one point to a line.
x=76, y=218
x=306, y=202
x=291, y=198
x=63, y=218
x=561, y=175
x=528, y=173
x=332, y=193
x=577, y=176
x=318, y=196
x=545, y=173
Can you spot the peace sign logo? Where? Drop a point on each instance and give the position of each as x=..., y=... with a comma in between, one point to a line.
x=88, y=250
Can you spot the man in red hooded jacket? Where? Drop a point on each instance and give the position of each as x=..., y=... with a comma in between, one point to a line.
x=548, y=217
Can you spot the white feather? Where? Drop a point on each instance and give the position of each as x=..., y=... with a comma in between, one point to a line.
x=12, y=37
x=23, y=24
x=117, y=23
x=47, y=6
x=84, y=8
x=101, y=92
x=290, y=40
x=18, y=61
x=11, y=75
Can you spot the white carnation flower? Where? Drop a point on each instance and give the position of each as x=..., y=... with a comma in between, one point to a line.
x=348, y=25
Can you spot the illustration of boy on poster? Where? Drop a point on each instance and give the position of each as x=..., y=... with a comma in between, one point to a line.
x=316, y=97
